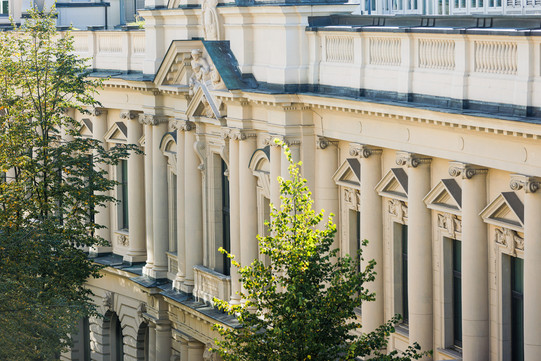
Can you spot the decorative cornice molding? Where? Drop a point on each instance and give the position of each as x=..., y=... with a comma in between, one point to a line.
x=128, y=114
x=152, y=119
x=363, y=151
x=183, y=125
x=411, y=160
x=467, y=171
x=529, y=184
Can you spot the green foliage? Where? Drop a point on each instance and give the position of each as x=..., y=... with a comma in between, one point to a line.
x=300, y=306
x=49, y=191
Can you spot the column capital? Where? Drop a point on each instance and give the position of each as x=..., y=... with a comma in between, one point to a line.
x=183, y=125
x=289, y=141
x=152, y=119
x=411, y=160
x=98, y=111
x=529, y=184
x=129, y=114
x=324, y=142
x=467, y=171
x=238, y=134
x=363, y=150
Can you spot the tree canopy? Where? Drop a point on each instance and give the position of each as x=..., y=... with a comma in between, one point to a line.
x=300, y=305
x=50, y=190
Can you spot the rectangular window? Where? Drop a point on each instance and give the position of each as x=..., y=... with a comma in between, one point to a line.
x=517, y=309
x=5, y=7
x=226, y=216
x=457, y=293
x=400, y=262
x=354, y=234
x=122, y=178
x=404, y=257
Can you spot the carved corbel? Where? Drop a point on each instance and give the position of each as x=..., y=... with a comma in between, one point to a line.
x=363, y=151
x=529, y=184
x=411, y=160
x=108, y=300
x=467, y=171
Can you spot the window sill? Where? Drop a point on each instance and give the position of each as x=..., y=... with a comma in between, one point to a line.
x=403, y=330
x=454, y=353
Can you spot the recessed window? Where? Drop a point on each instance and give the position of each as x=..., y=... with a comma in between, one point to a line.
x=457, y=293
x=517, y=309
x=122, y=178
x=226, y=216
x=401, y=271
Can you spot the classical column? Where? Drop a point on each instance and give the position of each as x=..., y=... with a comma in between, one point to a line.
x=419, y=250
x=160, y=211
x=275, y=168
x=152, y=342
x=532, y=263
x=103, y=215
x=193, y=220
x=235, y=213
x=136, y=193
x=475, y=303
x=247, y=200
x=195, y=351
x=371, y=230
x=181, y=245
x=163, y=340
x=149, y=224
x=326, y=191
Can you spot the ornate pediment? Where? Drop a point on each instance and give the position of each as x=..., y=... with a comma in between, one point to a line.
x=203, y=104
x=446, y=196
x=85, y=129
x=507, y=211
x=349, y=174
x=118, y=133
x=394, y=185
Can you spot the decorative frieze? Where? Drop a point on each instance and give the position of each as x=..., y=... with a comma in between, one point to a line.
x=450, y=224
x=398, y=210
x=529, y=184
x=411, y=160
x=352, y=199
x=509, y=241
x=467, y=171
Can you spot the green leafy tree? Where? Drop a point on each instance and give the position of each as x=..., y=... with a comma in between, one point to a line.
x=50, y=190
x=300, y=306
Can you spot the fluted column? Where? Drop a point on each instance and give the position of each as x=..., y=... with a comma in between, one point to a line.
x=103, y=216
x=235, y=214
x=181, y=210
x=247, y=200
x=475, y=302
x=149, y=224
x=160, y=212
x=532, y=263
x=419, y=250
x=193, y=220
x=163, y=340
x=136, y=193
x=326, y=191
x=371, y=219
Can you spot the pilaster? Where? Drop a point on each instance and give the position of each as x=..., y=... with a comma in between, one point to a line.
x=235, y=213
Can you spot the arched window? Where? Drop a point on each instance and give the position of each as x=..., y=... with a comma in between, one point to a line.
x=117, y=339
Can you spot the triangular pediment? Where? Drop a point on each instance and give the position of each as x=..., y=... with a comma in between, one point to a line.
x=394, y=185
x=86, y=128
x=446, y=196
x=175, y=69
x=507, y=211
x=349, y=174
x=203, y=104
x=118, y=133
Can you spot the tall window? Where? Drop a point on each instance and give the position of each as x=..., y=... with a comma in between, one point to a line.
x=404, y=257
x=4, y=7
x=401, y=271
x=123, y=194
x=517, y=309
x=354, y=234
x=226, y=216
x=457, y=293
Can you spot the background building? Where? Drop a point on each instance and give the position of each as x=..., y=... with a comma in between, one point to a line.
x=420, y=133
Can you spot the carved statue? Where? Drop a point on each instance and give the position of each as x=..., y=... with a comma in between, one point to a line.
x=210, y=20
x=200, y=67
x=108, y=300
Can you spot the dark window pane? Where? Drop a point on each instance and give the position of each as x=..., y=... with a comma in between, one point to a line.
x=457, y=293
x=405, y=308
x=517, y=309
x=226, y=219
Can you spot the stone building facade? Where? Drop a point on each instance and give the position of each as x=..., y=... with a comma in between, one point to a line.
x=420, y=134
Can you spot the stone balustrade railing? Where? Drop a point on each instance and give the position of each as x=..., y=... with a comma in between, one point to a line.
x=111, y=50
x=490, y=66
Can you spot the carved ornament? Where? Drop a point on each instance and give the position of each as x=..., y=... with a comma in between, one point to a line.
x=108, y=300
x=467, y=171
x=411, y=160
x=183, y=125
x=123, y=240
x=450, y=223
x=98, y=111
x=529, y=184
x=270, y=140
x=128, y=114
x=398, y=209
x=352, y=199
x=509, y=241
x=152, y=119
x=363, y=151
x=210, y=20
x=208, y=355
x=141, y=309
